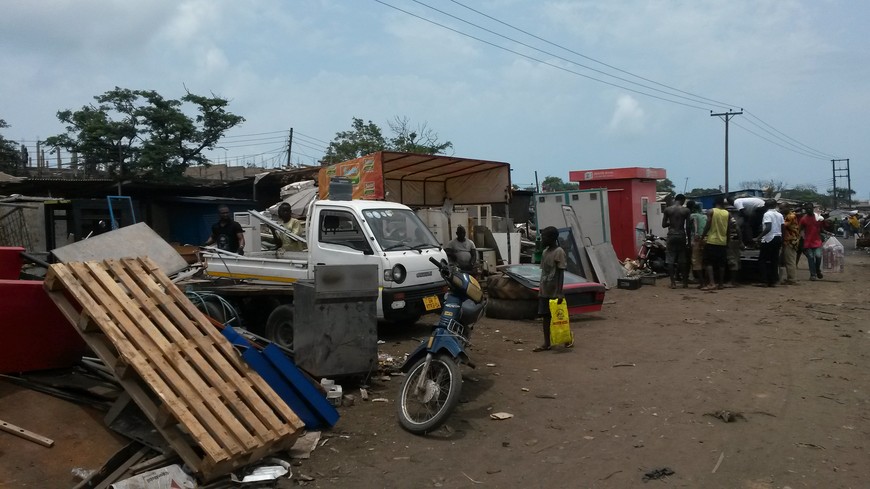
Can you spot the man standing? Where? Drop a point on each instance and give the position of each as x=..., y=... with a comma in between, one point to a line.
x=771, y=243
x=227, y=234
x=461, y=251
x=791, y=236
x=811, y=225
x=676, y=218
x=715, y=236
x=698, y=221
x=750, y=210
x=554, y=261
x=290, y=223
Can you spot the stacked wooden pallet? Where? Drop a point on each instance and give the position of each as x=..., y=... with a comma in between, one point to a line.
x=215, y=412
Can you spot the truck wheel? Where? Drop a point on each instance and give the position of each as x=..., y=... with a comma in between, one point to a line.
x=279, y=326
x=512, y=308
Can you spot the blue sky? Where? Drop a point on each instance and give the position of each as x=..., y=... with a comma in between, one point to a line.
x=799, y=69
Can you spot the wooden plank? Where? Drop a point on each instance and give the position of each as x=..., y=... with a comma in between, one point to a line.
x=26, y=434
x=214, y=410
x=81, y=286
x=261, y=390
x=185, y=347
x=186, y=395
x=181, y=310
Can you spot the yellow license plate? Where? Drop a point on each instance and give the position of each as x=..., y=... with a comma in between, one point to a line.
x=431, y=302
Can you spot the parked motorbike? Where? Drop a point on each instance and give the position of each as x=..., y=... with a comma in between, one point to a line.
x=652, y=254
x=433, y=381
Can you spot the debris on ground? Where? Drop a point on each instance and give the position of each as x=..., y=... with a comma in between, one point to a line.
x=727, y=416
x=656, y=474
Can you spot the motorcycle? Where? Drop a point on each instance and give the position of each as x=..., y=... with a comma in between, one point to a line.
x=652, y=256
x=433, y=381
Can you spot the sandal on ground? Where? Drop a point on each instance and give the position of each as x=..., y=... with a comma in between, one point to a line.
x=570, y=344
x=540, y=348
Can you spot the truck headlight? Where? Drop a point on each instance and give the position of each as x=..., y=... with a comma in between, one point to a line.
x=399, y=274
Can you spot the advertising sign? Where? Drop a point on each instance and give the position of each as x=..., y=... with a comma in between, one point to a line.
x=365, y=174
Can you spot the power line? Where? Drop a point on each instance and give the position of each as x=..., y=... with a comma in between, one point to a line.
x=692, y=99
x=562, y=68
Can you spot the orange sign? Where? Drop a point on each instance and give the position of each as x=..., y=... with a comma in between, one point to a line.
x=365, y=174
x=617, y=174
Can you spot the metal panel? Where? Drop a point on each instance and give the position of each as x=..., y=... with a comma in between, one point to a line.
x=134, y=241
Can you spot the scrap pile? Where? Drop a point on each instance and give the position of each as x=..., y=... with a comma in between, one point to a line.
x=210, y=407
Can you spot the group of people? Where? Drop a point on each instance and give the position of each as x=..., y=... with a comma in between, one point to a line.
x=228, y=235
x=711, y=243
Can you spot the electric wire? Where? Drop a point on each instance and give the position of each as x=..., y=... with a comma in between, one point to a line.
x=532, y=58
x=691, y=99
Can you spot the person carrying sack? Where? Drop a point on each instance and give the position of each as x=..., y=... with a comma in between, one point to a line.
x=554, y=261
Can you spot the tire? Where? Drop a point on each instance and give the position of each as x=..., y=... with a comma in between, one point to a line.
x=512, y=308
x=279, y=326
x=503, y=287
x=423, y=413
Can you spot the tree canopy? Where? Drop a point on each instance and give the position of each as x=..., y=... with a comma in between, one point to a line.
x=555, y=184
x=665, y=185
x=366, y=137
x=11, y=157
x=142, y=132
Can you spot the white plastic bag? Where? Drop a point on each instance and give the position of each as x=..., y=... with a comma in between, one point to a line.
x=833, y=256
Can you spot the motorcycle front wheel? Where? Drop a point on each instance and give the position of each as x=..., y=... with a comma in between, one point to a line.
x=424, y=408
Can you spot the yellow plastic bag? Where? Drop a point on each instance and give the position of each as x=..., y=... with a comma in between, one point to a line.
x=560, y=330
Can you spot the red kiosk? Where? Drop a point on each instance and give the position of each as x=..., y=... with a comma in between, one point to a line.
x=631, y=193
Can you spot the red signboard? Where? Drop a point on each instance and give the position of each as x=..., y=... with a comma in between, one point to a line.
x=366, y=174
x=617, y=174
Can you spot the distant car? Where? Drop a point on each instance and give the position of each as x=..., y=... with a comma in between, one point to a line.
x=514, y=294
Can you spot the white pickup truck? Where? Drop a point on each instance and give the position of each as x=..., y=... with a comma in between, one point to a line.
x=345, y=232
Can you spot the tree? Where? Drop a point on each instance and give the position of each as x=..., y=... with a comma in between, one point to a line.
x=141, y=132
x=11, y=157
x=366, y=138
x=770, y=187
x=696, y=192
x=665, y=185
x=840, y=197
x=555, y=184
x=422, y=140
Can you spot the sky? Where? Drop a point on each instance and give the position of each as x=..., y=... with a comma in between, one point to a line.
x=548, y=86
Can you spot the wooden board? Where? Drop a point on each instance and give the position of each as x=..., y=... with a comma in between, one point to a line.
x=215, y=411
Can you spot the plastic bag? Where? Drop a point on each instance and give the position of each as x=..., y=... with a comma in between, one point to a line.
x=833, y=256
x=560, y=330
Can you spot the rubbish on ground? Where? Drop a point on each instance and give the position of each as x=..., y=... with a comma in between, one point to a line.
x=26, y=434
x=304, y=445
x=657, y=474
x=719, y=462
x=501, y=416
x=363, y=394
x=545, y=396
x=624, y=364
x=171, y=477
x=727, y=416
x=379, y=399
x=810, y=445
x=267, y=470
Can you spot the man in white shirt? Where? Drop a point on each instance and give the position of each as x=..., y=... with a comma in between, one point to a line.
x=771, y=243
x=750, y=210
x=461, y=251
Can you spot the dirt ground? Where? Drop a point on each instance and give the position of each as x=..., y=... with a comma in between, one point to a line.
x=637, y=393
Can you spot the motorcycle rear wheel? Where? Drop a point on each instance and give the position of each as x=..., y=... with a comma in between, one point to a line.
x=425, y=411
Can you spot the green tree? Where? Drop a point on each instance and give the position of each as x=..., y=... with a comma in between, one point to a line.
x=556, y=184
x=367, y=137
x=140, y=132
x=839, y=197
x=11, y=157
x=695, y=192
x=665, y=185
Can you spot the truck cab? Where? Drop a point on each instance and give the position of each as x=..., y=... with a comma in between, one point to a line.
x=342, y=232
x=389, y=235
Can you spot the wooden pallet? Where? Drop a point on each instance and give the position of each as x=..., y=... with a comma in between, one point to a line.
x=215, y=411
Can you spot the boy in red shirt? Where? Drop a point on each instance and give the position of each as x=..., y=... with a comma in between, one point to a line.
x=812, y=230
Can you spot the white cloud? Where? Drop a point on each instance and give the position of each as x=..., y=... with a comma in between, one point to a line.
x=628, y=119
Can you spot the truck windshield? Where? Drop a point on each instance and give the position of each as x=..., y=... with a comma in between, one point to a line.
x=399, y=229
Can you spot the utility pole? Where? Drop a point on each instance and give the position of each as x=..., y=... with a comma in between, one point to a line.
x=726, y=116
x=838, y=172
x=289, y=147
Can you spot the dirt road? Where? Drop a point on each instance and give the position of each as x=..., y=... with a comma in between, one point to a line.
x=640, y=392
